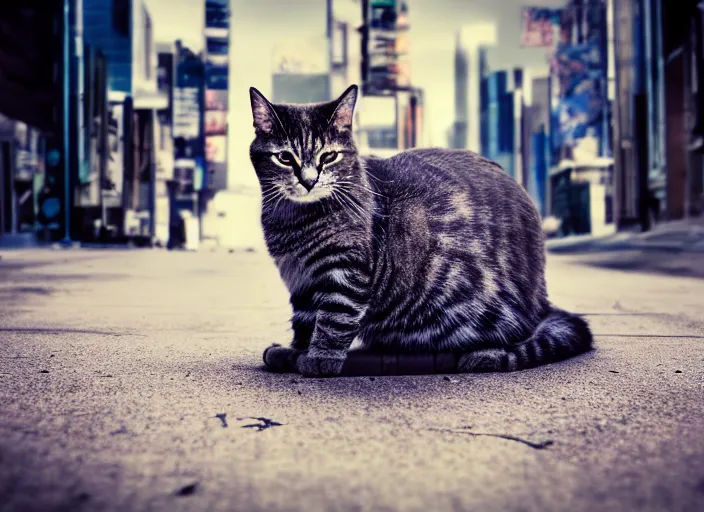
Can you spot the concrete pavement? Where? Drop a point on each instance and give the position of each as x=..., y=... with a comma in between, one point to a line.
x=129, y=380
x=675, y=236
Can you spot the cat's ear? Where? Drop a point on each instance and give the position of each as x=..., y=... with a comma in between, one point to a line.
x=344, y=109
x=262, y=112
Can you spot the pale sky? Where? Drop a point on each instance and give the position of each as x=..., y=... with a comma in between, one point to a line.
x=257, y=25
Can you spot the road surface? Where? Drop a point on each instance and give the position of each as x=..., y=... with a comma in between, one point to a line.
x=133, y=380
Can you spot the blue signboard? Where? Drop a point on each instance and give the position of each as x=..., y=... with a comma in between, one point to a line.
x=217, y=76
x=579, y=71
x=217, y=14
x=217, y=45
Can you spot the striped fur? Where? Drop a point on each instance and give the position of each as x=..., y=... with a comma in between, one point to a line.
x=430, y=250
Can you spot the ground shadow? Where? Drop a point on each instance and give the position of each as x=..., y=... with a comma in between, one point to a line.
x=660, y=262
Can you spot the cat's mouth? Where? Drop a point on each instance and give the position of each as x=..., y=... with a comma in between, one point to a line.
x=322, y=188
x=300, y=194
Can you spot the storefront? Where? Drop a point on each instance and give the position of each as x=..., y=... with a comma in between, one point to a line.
x=581, y=195
x=21, y=181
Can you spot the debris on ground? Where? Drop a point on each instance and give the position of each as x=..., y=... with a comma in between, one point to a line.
x=223, y=418
x=187, y=490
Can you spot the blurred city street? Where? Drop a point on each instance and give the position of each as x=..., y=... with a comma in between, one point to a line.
x=137, y=296
x=133, y=380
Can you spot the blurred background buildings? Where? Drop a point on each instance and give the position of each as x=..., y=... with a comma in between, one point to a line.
x=110, y=133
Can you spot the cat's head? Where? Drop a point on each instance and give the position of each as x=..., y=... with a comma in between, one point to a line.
x=302, y=152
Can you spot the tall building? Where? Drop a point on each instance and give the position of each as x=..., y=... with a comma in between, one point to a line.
x=217, y=86
x=659, y=114
x=345, y=44
x=390, y=109
x=123, y=31
x=498, y=121
x=471, y=47
x=164, y=141
x=536, y=128
x=345, y=48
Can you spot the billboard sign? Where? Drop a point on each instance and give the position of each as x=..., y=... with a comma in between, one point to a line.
x=215, y=122
x=217, y=14
x=216, y=100
x=186, y=112
x=579, y=73
x=216, y=148
x=388, y=64
x=538, y=27
x=217, y=71
x=217, y=45
x=216, y=76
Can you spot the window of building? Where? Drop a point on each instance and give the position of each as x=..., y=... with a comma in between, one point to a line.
x=147, y=44
x=121, y=16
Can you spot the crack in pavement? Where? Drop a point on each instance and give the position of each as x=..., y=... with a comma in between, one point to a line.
x=264, y=423
x=536, y=446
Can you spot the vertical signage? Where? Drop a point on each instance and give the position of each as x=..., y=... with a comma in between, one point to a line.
x=217, y=42
x=578, y=69
x=388, y=63
x=188, y=115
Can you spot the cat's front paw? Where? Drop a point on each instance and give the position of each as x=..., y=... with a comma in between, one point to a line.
x=281, y=359
x=321, y=364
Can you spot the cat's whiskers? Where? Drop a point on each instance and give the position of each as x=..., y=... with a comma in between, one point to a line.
x=270, y=194
x=361, y=217
x=351, y=208
x=374, y=211
x=278, y=193
x=354, y=209
x=362, y=187
x=352, y=199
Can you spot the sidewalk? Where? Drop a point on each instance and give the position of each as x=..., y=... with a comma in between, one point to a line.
x=677, y=236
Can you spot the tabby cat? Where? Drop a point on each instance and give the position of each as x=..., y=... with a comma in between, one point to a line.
x=432, y=250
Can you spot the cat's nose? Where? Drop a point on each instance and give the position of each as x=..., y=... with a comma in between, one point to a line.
x=309, y=177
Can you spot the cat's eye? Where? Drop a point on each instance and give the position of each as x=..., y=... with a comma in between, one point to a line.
x=326, y=158
x=286, y=158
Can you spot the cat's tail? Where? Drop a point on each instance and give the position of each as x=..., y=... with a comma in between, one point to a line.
x=559, y=336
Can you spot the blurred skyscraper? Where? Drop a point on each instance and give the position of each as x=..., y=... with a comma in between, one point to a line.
x=470, y=65
x=659, y=112
x=301, y=71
